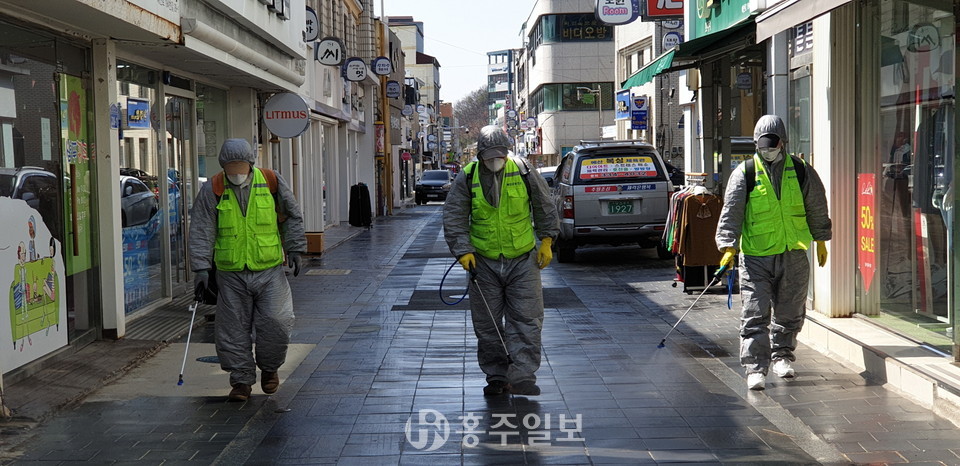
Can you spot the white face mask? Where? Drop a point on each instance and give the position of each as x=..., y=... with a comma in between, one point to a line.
x=238, y=179
x=769, y=154
x=495, y=164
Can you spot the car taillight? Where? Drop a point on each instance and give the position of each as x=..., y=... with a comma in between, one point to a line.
x=567, y=207
x=156, y=192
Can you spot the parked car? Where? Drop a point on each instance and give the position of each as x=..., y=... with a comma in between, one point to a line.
x=433, y=186
x=611, y=192
x=548, y=173
x=173, y=191
x=39, y=188
x=138, y=204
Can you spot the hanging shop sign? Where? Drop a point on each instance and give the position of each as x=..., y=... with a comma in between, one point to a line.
x=354, y=69
x=744, y=81
x=330, y=51
x=394, y=90
x=658, y=10
x=623, y=105
x=311, y=30
x=407, y=110
x=381, y=66
x=511, y=113
x=617, y=12
x=866, y=228
x=532, y=122
x=286, y=114
x=671, y=40
x=672, y=24
x=405, y=155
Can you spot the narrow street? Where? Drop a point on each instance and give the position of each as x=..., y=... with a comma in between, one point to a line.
x=382, y=372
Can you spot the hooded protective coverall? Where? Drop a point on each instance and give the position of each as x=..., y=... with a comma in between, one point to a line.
x=776, y=281
x=511, y=287
x=251, y=304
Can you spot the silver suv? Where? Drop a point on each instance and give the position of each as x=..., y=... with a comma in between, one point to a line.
x=611, y=192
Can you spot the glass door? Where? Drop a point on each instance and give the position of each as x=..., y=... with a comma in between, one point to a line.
x=180, y=157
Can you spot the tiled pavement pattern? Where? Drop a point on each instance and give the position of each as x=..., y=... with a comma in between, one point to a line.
x=386, y=353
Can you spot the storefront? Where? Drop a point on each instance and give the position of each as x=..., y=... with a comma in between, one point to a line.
x=47, y=195
x=909, y=52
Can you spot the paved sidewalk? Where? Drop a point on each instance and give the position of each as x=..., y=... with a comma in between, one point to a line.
x=392, y=379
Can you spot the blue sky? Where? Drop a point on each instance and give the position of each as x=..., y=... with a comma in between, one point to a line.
x=459, y=33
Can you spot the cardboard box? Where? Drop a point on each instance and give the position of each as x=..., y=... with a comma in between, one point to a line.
x=314, y=243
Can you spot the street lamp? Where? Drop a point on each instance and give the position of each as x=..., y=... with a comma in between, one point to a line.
x=586, y=90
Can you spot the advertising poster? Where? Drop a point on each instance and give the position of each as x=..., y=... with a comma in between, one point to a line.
x=32, y=272
x=77, y=201
x=866, y=228
x=136, y=262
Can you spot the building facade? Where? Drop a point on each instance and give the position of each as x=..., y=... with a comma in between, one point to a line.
x=867, y=91
x=566, y=74
x=106, y=137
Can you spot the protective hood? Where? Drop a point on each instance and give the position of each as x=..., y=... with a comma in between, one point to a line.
x=492, y=136
x=236, y=149
x=770, y=124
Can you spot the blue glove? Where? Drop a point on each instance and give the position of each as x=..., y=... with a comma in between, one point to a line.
x=294, y=259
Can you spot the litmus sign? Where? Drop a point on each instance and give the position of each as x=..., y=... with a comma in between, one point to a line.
x=286, y=115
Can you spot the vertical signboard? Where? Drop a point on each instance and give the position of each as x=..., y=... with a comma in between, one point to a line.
x=638, y=112
x=866, y=228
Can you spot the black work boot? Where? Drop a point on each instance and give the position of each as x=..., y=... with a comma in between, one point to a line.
x=496, y=387
x=527, y=387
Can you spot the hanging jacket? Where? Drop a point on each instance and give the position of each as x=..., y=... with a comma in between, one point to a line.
x=251, y=241
x=771, y=225
x=505, y=229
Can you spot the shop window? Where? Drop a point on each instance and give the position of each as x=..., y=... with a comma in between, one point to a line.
x=914, y=170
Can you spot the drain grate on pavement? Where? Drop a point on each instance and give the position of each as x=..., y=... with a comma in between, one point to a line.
x=328, y=272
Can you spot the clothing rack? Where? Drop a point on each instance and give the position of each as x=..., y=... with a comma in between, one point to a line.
x=689, y=233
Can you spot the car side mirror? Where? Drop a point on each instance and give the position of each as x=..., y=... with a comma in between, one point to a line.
x=31, y=200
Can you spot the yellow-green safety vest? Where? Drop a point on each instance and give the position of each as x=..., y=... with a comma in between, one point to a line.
x=251, y=241
x=772, y=226
x=506, y=229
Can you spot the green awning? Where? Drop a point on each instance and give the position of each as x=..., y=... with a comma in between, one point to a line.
x=652, y=69
x=692, y=50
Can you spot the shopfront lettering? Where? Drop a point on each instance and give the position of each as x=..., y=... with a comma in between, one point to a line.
x=286, y=115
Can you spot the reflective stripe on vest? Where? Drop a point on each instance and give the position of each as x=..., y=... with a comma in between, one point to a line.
x=251, y=241
x=770, y=225
x=507, y=229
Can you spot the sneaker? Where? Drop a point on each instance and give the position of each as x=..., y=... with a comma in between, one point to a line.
x=240, y=392
x=496, y=387
x=527, y=387
x=782, y=368
x=269, y=381
x=755, y=381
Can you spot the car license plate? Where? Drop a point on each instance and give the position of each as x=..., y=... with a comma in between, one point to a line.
x=620, y=207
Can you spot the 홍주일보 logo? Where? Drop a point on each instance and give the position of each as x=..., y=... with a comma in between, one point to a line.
x=430, y=424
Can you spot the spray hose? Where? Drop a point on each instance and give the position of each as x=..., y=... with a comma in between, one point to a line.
x=467, y=289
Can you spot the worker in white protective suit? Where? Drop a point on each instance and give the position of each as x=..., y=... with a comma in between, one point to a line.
x=241, y=222
x=487, y=225
x=774, y=207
